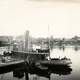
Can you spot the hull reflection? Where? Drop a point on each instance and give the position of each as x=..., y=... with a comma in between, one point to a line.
x=61, y=71
x=46, y=73
x=18, y=73
x=6, y=69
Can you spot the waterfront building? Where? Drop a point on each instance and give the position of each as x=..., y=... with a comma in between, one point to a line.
x=5, y=44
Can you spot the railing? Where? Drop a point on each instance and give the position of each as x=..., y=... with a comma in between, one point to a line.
x=30, y=52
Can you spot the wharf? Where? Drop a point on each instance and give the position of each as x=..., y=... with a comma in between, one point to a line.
x=20, y=60
x=30, y=53
x=20, y=57
x=11, y=63
x=10, y=66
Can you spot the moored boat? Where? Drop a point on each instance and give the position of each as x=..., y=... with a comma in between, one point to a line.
x=57, y=62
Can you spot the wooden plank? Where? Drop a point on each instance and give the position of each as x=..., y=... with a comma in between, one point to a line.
x=21, y=52
x=11, y=63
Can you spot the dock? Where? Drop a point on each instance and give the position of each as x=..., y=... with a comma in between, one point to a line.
x=11, y=63
x=20, y=59
x=10, y=66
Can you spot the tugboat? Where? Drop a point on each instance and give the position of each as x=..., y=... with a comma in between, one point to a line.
x=61, y=62
x=53, y=62
x=56, y=62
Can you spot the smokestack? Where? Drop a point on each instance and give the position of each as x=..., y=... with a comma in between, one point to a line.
x=27, y=41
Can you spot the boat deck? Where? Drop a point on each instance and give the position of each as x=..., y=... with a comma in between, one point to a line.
x=55, y=62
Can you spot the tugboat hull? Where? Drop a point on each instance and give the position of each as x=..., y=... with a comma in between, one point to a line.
x=56, y=62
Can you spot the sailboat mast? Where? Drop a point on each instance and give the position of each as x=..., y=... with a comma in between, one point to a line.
x=48, y=42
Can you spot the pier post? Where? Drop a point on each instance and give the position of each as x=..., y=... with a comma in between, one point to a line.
x=26, y=76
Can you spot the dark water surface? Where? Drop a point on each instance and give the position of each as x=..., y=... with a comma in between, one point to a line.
x=71, y=52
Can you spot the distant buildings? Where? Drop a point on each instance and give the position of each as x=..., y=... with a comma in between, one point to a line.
x=6, y=44
x=23, y=43
x=27, y=43
x=6, y=39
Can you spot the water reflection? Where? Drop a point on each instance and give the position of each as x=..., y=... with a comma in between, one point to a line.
x=61, y=47
x=43, y=73
x=62, y=71
x=76, y=48
x=19, y=73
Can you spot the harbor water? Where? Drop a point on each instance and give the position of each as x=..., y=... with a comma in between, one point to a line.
x=57, y=52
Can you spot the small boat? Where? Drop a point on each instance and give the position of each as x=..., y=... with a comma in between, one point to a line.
x=57, y=62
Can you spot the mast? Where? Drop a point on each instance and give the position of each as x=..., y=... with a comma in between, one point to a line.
x=48, y=42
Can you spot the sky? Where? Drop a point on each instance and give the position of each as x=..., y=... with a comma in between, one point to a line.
x=61, y=16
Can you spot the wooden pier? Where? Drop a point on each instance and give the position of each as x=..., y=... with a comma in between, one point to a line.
x=10, y=66
x=30, y=57
x=21, y=59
